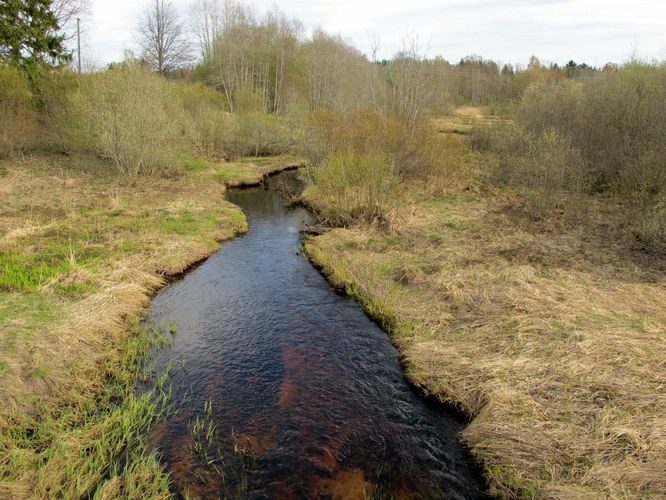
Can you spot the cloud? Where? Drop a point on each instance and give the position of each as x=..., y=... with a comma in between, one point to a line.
x=594, y=31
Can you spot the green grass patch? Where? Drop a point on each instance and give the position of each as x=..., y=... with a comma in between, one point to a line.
x=78, y=454
x=186, y=222
x=233, y=171
x=22, y=313
x=19, y=272
x=195, y=164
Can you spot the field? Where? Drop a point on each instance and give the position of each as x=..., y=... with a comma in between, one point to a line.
x=82, y=250
x=549, y=334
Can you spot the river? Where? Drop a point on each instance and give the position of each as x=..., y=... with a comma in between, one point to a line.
x=285, y=388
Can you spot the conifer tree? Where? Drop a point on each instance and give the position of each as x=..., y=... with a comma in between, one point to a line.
x=29, y=33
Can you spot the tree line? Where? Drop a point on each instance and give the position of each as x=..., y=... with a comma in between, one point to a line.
x=267, y=62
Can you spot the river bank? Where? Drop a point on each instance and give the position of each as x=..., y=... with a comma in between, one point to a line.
x=82, y=252
x=287, y=389
x=549, y=335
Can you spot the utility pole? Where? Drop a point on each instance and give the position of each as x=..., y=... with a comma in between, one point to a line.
x=78, y=38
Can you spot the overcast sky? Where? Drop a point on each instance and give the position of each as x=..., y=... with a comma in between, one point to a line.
x=510, y=31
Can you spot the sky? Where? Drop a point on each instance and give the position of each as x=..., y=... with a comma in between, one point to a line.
x=508, y=31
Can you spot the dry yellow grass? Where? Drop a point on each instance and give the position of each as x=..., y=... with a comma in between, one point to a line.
x=81, y=253
x=551, y=336
x=465, y=120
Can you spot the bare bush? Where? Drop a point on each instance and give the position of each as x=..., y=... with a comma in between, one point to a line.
x=18, y=124
x=413, y=148
x=258, y=134
x=616, y=121
x=209, y=123
x=543, y=165
x=615, y=125
x=133, y=118
x=554, y=105
x=350, y=188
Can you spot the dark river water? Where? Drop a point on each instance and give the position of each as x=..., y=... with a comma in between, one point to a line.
x=286, y=389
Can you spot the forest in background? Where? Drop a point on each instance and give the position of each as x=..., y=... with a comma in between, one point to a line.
x=260, y=86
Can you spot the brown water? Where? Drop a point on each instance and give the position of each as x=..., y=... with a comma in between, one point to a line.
x=288, y=389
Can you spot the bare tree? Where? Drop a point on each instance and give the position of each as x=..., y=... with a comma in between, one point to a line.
x=66, y=12
x=206, y=17
x=409, y=82
x=375, y=76
x=162, y=37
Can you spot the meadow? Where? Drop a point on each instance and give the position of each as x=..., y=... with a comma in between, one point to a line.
x=506, y=226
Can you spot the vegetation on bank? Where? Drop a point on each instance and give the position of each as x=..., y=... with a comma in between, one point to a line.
x=82, y=251
x=516, y=253
x=519, y=263
x=537, y=311
x=103, y=198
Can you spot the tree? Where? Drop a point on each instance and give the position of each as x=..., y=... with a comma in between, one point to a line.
x=29, y=33
x=571, y=69
x=206, y=17
x=534, y=63
x=66, y=12
x=162, y=38
x=408, y=80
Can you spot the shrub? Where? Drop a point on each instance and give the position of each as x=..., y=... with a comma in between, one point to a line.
x=414, y=148
x=543, y=166
x=318, y=141
x=616, y=120
x=350, y=188
x=53, y=90
x=553, y=105
x=257, y=133
x=624, y=113
x=212, y=129
x=611, y=137
x=206, y=109
x=133, y=118
x=18, y=120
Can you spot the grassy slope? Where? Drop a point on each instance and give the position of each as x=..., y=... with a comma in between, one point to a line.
x=81, y=252
x=551, y=335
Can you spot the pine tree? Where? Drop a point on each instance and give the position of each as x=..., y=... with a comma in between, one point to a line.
x=29, y=33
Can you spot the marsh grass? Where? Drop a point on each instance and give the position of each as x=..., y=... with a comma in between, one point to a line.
x=81, y=253
x=217, y=461
x=74, y=453
x=548, y=333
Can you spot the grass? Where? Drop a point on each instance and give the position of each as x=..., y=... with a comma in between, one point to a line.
x=550, y=335
x=464, y=121
x=81, y=252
